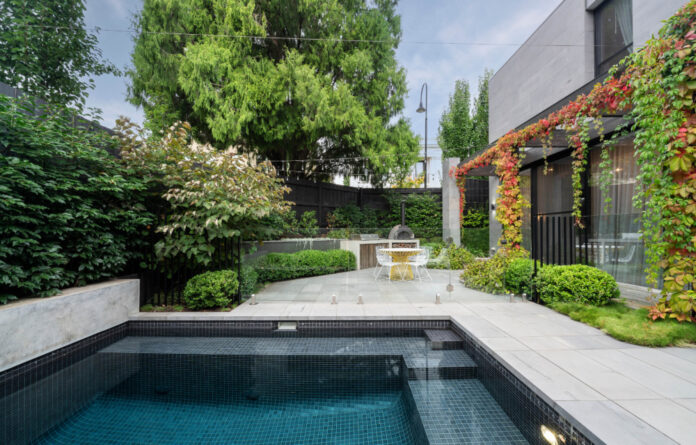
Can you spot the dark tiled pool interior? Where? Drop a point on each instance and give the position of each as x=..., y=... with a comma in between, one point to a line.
x=410, y=385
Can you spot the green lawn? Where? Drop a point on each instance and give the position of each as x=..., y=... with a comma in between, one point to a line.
x=630, y=325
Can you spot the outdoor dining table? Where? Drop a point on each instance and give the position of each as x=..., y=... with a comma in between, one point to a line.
x=401, y=255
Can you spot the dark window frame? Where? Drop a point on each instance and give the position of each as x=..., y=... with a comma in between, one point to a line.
x=603, y=66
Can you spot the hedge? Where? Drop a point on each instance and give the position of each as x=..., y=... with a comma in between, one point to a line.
x=306, y=263
x=576, y=283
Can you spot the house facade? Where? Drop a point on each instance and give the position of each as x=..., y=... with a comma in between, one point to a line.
x=571, y=51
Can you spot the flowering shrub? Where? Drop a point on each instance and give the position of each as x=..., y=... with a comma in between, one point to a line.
x=212, y=194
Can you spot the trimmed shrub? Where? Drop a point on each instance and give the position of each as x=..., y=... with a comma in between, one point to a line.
x=248, y=280
x=489, y=275
x=518, y=276
x=211, y=289
x=576, y=283
x=306, y=263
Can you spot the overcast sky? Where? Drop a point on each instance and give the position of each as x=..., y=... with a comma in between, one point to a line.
x=497, y=26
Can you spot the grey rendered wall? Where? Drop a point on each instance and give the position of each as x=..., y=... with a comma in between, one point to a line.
x=537, y=75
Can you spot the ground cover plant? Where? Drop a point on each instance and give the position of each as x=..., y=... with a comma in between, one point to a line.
x=306, y=263
x=629, y=325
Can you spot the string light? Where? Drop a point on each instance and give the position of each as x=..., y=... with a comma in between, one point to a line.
x=98, y=29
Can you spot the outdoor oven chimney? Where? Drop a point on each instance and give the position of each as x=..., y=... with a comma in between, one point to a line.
x=403, y=212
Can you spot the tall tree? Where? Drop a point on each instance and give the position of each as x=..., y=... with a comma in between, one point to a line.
x=46, y=50
x=464, y=131
x=317, y=81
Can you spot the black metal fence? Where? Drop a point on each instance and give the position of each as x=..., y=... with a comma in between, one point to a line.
x=556, y=239
x=323, y=198
x=164, y=284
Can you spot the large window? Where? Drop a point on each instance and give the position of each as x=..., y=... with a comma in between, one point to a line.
x=615, y=220
x=613, y=33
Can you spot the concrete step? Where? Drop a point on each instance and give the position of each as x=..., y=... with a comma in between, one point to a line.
x=443, y=339
x=440, y=364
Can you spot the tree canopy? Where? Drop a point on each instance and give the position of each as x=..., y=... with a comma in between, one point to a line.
x=46, y=51
x=310, y=80
x=463, y=128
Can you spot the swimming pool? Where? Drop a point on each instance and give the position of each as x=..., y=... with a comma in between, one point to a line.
x=413, y=385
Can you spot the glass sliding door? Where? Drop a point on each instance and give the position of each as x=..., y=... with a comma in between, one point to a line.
x=614, y=220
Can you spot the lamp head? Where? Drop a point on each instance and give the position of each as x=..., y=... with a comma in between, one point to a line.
x=421, y=108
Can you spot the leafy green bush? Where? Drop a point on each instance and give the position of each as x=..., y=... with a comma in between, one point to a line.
x=248, y=280
x=211, y=289
x=70, y=212
x=453, y=258
x=476, y=240
x=308, y=225
x=576, y=283
x=489, y=275
x=475, y=218
x=423, y=213
x=353, y=217
x=306, y=263
x=518, y=276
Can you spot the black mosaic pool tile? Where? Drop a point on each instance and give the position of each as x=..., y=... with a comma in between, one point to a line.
x=19, y=376
x=462, y=411
x=443, y=339
x=524, y=406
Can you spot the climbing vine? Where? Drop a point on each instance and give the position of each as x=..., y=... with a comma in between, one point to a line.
x=655, y=87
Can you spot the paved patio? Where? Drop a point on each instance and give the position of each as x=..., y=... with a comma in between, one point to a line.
x=624, y=394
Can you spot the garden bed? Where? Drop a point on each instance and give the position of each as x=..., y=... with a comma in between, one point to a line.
x=630, y=325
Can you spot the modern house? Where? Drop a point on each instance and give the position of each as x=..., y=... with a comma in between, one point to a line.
x=571, y=51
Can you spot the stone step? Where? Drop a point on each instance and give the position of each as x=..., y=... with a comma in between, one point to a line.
x=443, y=339
x=440, y=364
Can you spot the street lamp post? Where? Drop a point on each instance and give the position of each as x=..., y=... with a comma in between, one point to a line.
x=422, y=109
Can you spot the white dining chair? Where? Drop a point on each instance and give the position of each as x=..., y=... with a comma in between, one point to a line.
x=386, y=261
x=419, y=263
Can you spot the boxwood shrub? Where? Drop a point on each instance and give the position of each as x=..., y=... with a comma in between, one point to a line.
x=211, y=289
x=518, y=276
x=306, y=263
x=576, y=283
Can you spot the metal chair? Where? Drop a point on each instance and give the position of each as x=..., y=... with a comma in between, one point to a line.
x=384, y=260
x=419, y=262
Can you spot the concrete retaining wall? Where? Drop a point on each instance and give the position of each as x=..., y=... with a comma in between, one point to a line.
x=32, y=327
